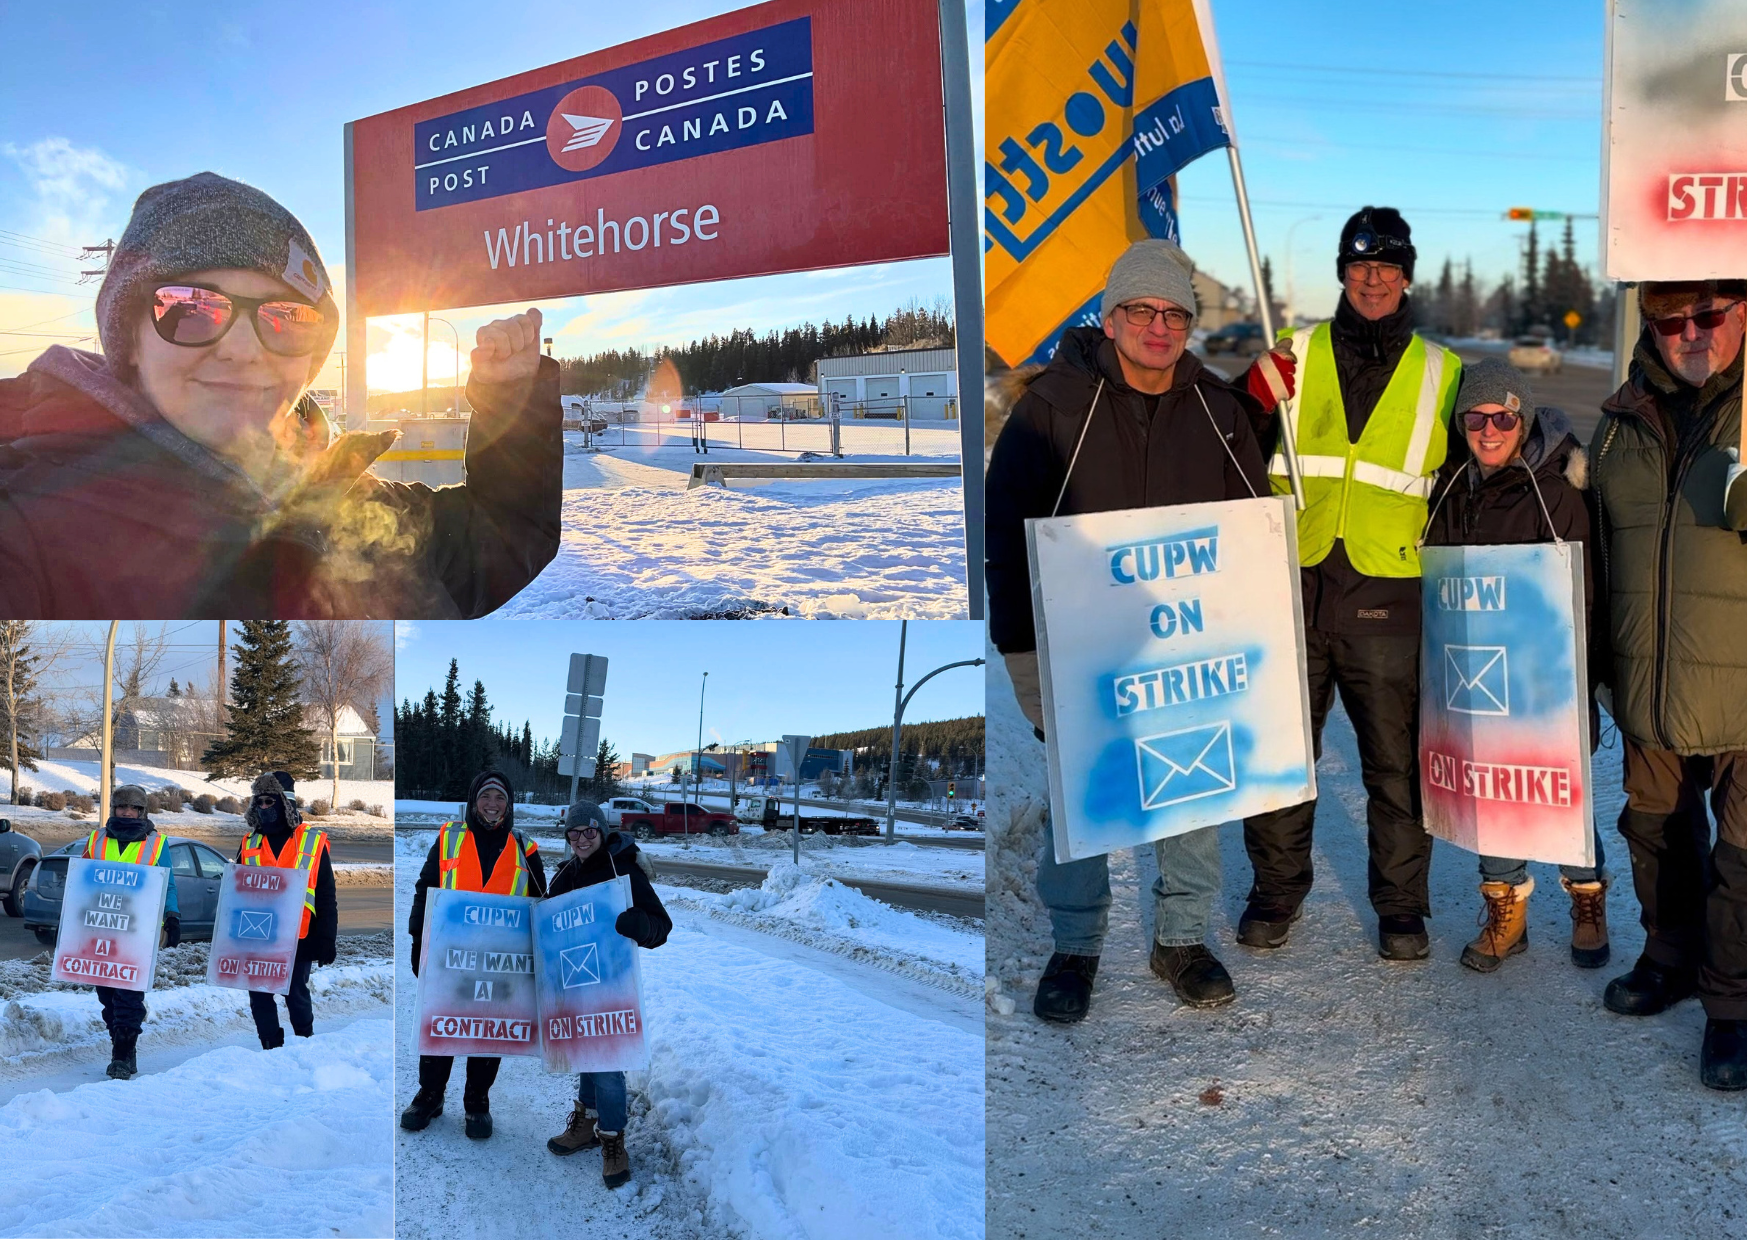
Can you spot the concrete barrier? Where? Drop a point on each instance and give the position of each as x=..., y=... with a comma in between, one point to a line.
x=710, y=474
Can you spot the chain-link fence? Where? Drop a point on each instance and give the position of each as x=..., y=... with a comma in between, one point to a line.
x=885, y=427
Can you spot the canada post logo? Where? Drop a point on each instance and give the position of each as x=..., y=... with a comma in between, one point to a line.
x=745, y=90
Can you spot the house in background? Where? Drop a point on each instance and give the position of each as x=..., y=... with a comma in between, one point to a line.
x=356, y=741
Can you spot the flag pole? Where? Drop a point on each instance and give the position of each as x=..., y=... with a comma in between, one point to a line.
x=1289, y=432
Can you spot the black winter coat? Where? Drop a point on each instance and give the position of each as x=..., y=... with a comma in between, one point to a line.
x=488, y=842
x=619, y=856
x=325, y=921
x=1139, y=451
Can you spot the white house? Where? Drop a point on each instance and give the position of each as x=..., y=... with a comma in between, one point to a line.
x=357, y=743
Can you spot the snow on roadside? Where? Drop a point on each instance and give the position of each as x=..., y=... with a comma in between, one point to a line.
x=57, y=775
x=234, y=1142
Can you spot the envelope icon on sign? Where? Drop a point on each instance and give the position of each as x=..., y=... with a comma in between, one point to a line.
x=1475, y=680
x=1184, y=765
x=254, y=925
x=578, y=966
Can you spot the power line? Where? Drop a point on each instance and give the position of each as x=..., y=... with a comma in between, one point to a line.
x=42, y=243
x=1399, y=105
x=14, y=288
x=56, y=319
x=1368, y=71
x=1418, y=150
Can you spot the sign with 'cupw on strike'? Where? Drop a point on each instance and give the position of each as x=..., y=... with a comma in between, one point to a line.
x=790, y=136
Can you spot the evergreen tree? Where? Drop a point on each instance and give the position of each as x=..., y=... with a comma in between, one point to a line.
x=264, y=731
x=19, y=704
x=449, y=749
x=1530, y=308
x=604, y=783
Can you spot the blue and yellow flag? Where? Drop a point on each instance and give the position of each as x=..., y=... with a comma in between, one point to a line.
x=1092, y=105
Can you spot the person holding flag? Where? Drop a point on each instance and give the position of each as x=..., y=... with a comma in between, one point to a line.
x=483, y=852
x=278, y=836
x=130, y=836
x=1370, y=424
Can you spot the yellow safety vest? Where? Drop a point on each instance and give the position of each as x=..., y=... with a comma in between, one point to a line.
x=1372, y=494
x=101, y=846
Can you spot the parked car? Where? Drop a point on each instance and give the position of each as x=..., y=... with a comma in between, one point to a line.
x=615, y=808
x=1535, y=353
x=18, y=857
x=962, y=822
x=195, y=867
x=1242, y=339
x=678, y=818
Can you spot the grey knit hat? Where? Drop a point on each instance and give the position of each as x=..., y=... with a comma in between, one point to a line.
x=128, y=794
x=1151, y=268
x=585, y=813
x=203, y=223
x=1495, y=381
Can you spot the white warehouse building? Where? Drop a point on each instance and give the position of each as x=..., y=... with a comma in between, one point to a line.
x=880, y=385
x=769, y=400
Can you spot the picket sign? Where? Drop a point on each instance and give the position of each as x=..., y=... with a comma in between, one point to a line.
x=1504, y=701
x=590, y=990
x=476, y=978
x=255, y=930
x=112, y=914
x=1171, y=647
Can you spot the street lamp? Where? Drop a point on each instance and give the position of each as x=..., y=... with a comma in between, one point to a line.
x=1290, y=298
x=698, y=754
x=901, y=699
x=455, y=388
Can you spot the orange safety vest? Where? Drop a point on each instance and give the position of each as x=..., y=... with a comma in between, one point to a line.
x=101, y=846
x=303, y=850
x=458, y=862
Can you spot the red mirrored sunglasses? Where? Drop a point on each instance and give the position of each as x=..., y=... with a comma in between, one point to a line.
x=1705, y=320
x=192, y=316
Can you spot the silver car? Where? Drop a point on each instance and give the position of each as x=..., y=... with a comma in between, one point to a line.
x=18, y=857
x=196, y=867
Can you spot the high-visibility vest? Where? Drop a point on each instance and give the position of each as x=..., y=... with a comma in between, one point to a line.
x=1372, y=494
x=101, y=846
x=304, y=848
x=458, y=862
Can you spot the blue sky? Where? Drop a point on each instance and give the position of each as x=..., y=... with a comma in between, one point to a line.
x=103, y=100
x=765, y=678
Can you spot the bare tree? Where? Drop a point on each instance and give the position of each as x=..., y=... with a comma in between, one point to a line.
x=343, y=663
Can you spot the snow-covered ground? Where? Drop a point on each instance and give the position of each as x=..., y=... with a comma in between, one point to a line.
x=59, y=776
x=1341, y=1095
x=638, y=545
x=793, y=1091
x=231, y=1142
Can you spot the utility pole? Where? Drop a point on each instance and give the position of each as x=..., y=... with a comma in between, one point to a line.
x=698, y=754
x=89, y=252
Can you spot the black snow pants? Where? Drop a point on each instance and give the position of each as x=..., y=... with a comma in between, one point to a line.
x=1379, y=681
x=482, y=1070
x=297, y=1003
x=124, y=1011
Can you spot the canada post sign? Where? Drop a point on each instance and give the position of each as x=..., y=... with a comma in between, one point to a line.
x=1171, y=651
x=790, y=136
x=723, y=95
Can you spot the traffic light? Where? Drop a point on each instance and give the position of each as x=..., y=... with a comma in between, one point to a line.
x=1520, y=213
x=951, y=789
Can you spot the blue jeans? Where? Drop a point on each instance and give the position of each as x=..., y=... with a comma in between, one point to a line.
x=604, y=1094
x=1078, y=893
x=1506, y=870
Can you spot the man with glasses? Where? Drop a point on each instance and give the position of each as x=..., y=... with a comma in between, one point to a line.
x=1673, y=577
x=186, y=473
x=1124, y=417
x=1370, y=420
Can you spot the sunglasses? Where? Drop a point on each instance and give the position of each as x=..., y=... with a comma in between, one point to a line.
x=1140, y=314
x=188, y=315
x=1705, y=320
x=1505, y=420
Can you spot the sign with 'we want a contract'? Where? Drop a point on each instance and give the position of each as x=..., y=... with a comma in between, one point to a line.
x=1171, y=647
x=476, y=978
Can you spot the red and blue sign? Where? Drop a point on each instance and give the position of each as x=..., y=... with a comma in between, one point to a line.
x=590, y=992
x=112, y=913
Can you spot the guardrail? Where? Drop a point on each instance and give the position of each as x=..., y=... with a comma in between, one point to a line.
x=711, y=474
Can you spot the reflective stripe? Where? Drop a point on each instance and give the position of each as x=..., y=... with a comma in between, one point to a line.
x=1311, y=466
x=1425, y=414
x=1394, y=480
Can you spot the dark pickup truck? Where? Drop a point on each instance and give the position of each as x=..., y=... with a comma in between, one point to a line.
x=768, y=812
x=678, y=818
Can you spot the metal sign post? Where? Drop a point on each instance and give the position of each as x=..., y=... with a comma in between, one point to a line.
x=797, y=745
x=964, y=223
x=580, y=735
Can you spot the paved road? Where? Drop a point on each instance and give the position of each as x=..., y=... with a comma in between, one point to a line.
x=948, y=900
x=1578, y=390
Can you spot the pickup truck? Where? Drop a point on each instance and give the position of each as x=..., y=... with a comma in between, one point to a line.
x=678, y=818
x=614, y=809
x=19, y=855
x=769, y=813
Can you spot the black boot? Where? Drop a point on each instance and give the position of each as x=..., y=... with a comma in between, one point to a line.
x=1065, y=990
x=272, y=1041
x=1721, y=1055
x=1402, y=936
x=478, y=1110
x=1200, y=980
x=121, y=1059
x=1266, y=925
x=425, y=1107
x=1648, y=988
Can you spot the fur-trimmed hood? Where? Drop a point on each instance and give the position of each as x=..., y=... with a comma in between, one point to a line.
x=267, y=784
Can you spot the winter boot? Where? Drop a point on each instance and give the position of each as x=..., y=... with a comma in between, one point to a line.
x=1648, y=988
x=1402, y=936
x=1065, y=990
x=1200, y=980
x=121, y=1059
x=478, y=1125
x=425, y=1107
x=615, y=1162
x=1589, y=922
x=272, y=1041
x=1266, y=925
x=579, y=1133
x=1721, y=1055
x=1504, y=928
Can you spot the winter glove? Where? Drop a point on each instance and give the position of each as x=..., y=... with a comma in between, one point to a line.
x=326, y=954
x=633, y=923
x=418, y=947
x=1272, y=376
x=172, y=930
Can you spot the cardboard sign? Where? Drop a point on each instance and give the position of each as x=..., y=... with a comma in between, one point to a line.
x=112, y=916
x=790, y=136
x=1172, y=651
x=476, y=980
x=1504, y=701
x=591, y=995
x=255, y=931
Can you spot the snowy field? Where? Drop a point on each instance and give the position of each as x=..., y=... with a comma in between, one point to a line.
x=1341, y=1095
x=638, y=545
x=792, y=1092
x=60, y=776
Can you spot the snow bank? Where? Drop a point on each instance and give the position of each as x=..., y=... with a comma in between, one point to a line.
x=56, y=776
x=234, y=1142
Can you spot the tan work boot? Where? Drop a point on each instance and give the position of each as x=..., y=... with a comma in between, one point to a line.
x=579, y=1133
x=615, y=1162
x=1589, y=922
x=1504, y=931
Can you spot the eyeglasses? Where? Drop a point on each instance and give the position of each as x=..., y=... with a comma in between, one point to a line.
x=1505, y=420
x=266, y=802
x=1366, y=273
x=587, y=833
x=195, y=317
x=1705, y=320
x=1140, y=314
